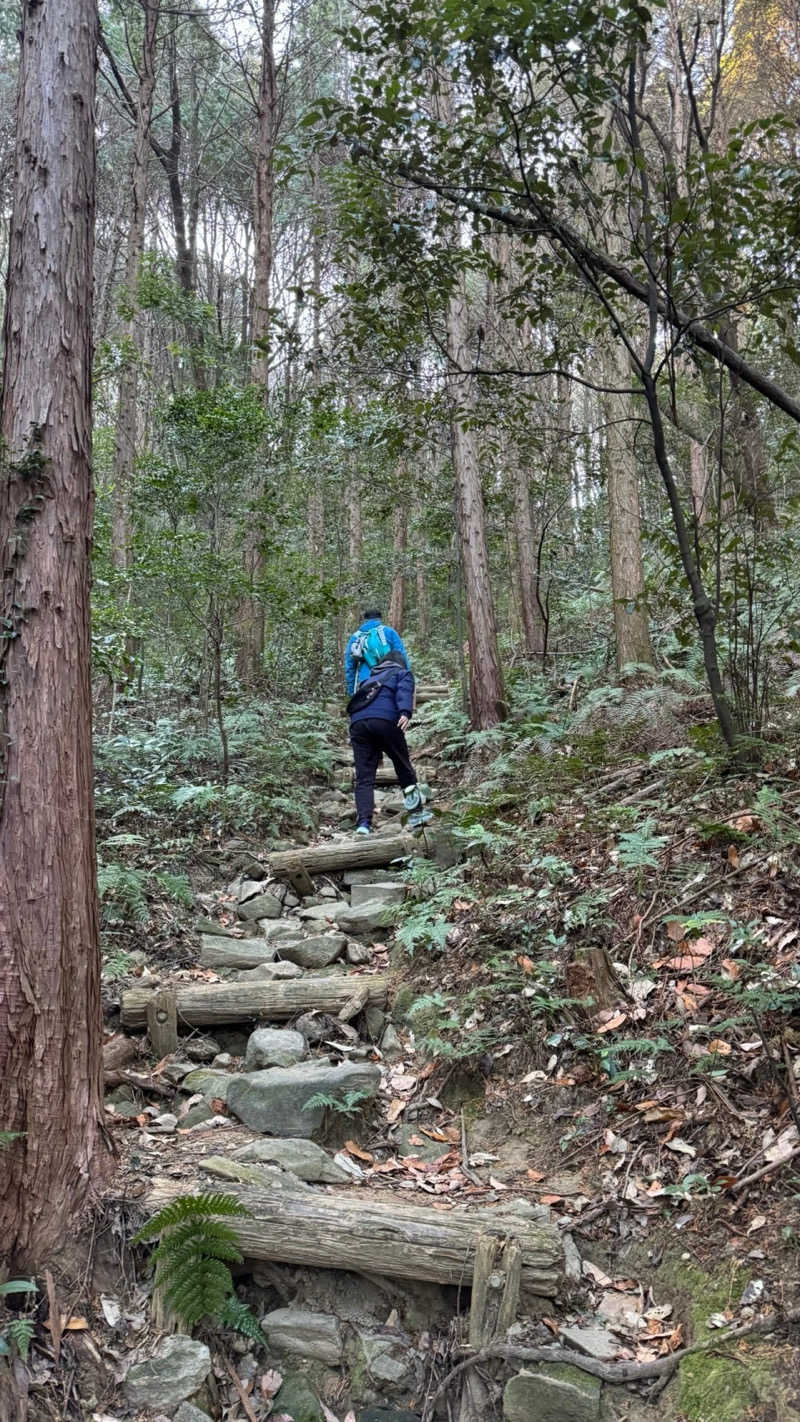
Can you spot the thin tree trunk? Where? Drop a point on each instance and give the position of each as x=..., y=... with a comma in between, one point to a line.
x=699, y=482
x=50, y=1018
x=486, y=690
x=316, y=506
x=355, y=540
x=527, y=550
x=631, y=627
x=397, y=601
x=125, y=433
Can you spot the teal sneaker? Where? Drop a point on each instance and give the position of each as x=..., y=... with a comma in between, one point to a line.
x=363, y=829
x=412, y=798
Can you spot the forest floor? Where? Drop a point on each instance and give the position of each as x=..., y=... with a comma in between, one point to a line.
x=593, y=1011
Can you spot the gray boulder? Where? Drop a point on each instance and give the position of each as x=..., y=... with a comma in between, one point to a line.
x=178, y=1368
x=262, y=906
x=272, y=1101
x=297, y=1399
x=274, y=1047
x=303, y=1158
x=556, y=1391
x=201, y=1049
x=385, y=893
x=187, y=1412
x=210, y=925
x=358, y=953
x=269, y=973
x=235, y=952
x=276, y=929
x=211, y=1084
x=367, y=918
x=321, y=913
x=389, y=1359
x=311, y=1335
x=316, y=952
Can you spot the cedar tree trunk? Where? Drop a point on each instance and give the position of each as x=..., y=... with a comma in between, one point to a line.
x=50, y=1018
x=631, y=626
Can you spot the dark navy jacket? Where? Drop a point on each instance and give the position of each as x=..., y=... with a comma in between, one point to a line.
x=395, y=698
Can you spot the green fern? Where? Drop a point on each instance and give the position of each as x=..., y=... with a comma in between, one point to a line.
x=122, y=894
x=194, y=1254
x=8, y=1138
x=240, y=1317
x=18, y=1332
x=347, y=1105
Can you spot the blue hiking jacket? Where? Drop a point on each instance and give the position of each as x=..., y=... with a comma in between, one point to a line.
x=351, y=667
x=395, y=698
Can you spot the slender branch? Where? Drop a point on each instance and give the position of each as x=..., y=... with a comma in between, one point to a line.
x=547, y=224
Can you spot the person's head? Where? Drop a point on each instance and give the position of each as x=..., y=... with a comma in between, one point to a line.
x=371, y=612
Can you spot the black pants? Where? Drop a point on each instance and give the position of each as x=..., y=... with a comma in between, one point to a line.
x=370, y=739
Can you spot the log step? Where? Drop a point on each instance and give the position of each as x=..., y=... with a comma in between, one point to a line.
x=346, y=1230
x=212, y=1004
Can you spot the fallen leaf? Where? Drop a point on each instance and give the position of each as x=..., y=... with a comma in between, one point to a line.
x=675, y=930
x=270, y=1382
x=75, y=1324
x=681, y=1147
x=497, y=1184
x=451, y=1134
x=719, y=1048
x=550, y=1199
x=730, y=969
x=396, y=1109
x=552, y=1325
x=355, y=1149
x=687, y=963
x=613, y=1022
x=733, y=856
x=593, y=1271
x=535, y=1174
x=527, y=964
x=756, y=1224
x=675, y=1339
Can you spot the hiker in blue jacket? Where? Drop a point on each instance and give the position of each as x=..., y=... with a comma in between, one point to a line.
x=381, y=687
x=357, y=667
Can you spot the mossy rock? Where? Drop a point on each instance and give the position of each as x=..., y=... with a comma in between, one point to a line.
x=297, y=1398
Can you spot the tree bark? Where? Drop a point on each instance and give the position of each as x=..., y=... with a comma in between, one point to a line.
x=210, y=1004
x=487, y=696
x=631, y=628
x=263, y=199
x=345, y=1230
x=125, y=432
x=50, y=1018
x=397, y=601
x=527, y=538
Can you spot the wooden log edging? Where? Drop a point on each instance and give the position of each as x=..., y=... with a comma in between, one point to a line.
x=373, y=853
x=345, y=1230
x=212, y=1004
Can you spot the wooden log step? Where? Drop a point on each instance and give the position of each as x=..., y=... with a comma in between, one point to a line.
x=353, y=853
x=211, y=1004
x=345, y=1230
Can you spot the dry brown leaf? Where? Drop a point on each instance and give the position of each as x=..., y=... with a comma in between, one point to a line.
x=450, y=1134
x=75, y=1324
x=535, y=1174
x=496, y=1184
x=703, y=947
x=719, y=1048
x=527, y=964
x=613, y=1022
x=395, y=1110
x=675, y=1339
x=730, y=969
x=733, y=856
x=552, y=1325
x=675, y=930
x=270, y=1382
x=686, y=964
x=550, y=1199
x=354, y=1149
x=756, y=1224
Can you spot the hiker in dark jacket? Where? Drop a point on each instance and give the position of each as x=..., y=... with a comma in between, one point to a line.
x=380, y=710
x=364, y=652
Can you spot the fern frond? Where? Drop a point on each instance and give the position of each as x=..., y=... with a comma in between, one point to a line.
x=196, y=1207
x=240, y=1317
x=21, y=1331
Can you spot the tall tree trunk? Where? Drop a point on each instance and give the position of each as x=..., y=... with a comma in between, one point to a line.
x=354, y=542
x=699, y=482
x=250, y=627
x=263, y=199
x=527, y=549
x=486, y=690
x=125, y=433
x=50, y=1018
x=316, y=506
x=397, y=600
x=631, y=628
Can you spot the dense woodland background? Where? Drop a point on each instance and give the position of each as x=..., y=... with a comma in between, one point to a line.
x=487, y=315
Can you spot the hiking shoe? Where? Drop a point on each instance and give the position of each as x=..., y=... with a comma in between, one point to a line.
x=412, y=798
x=363, y=829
